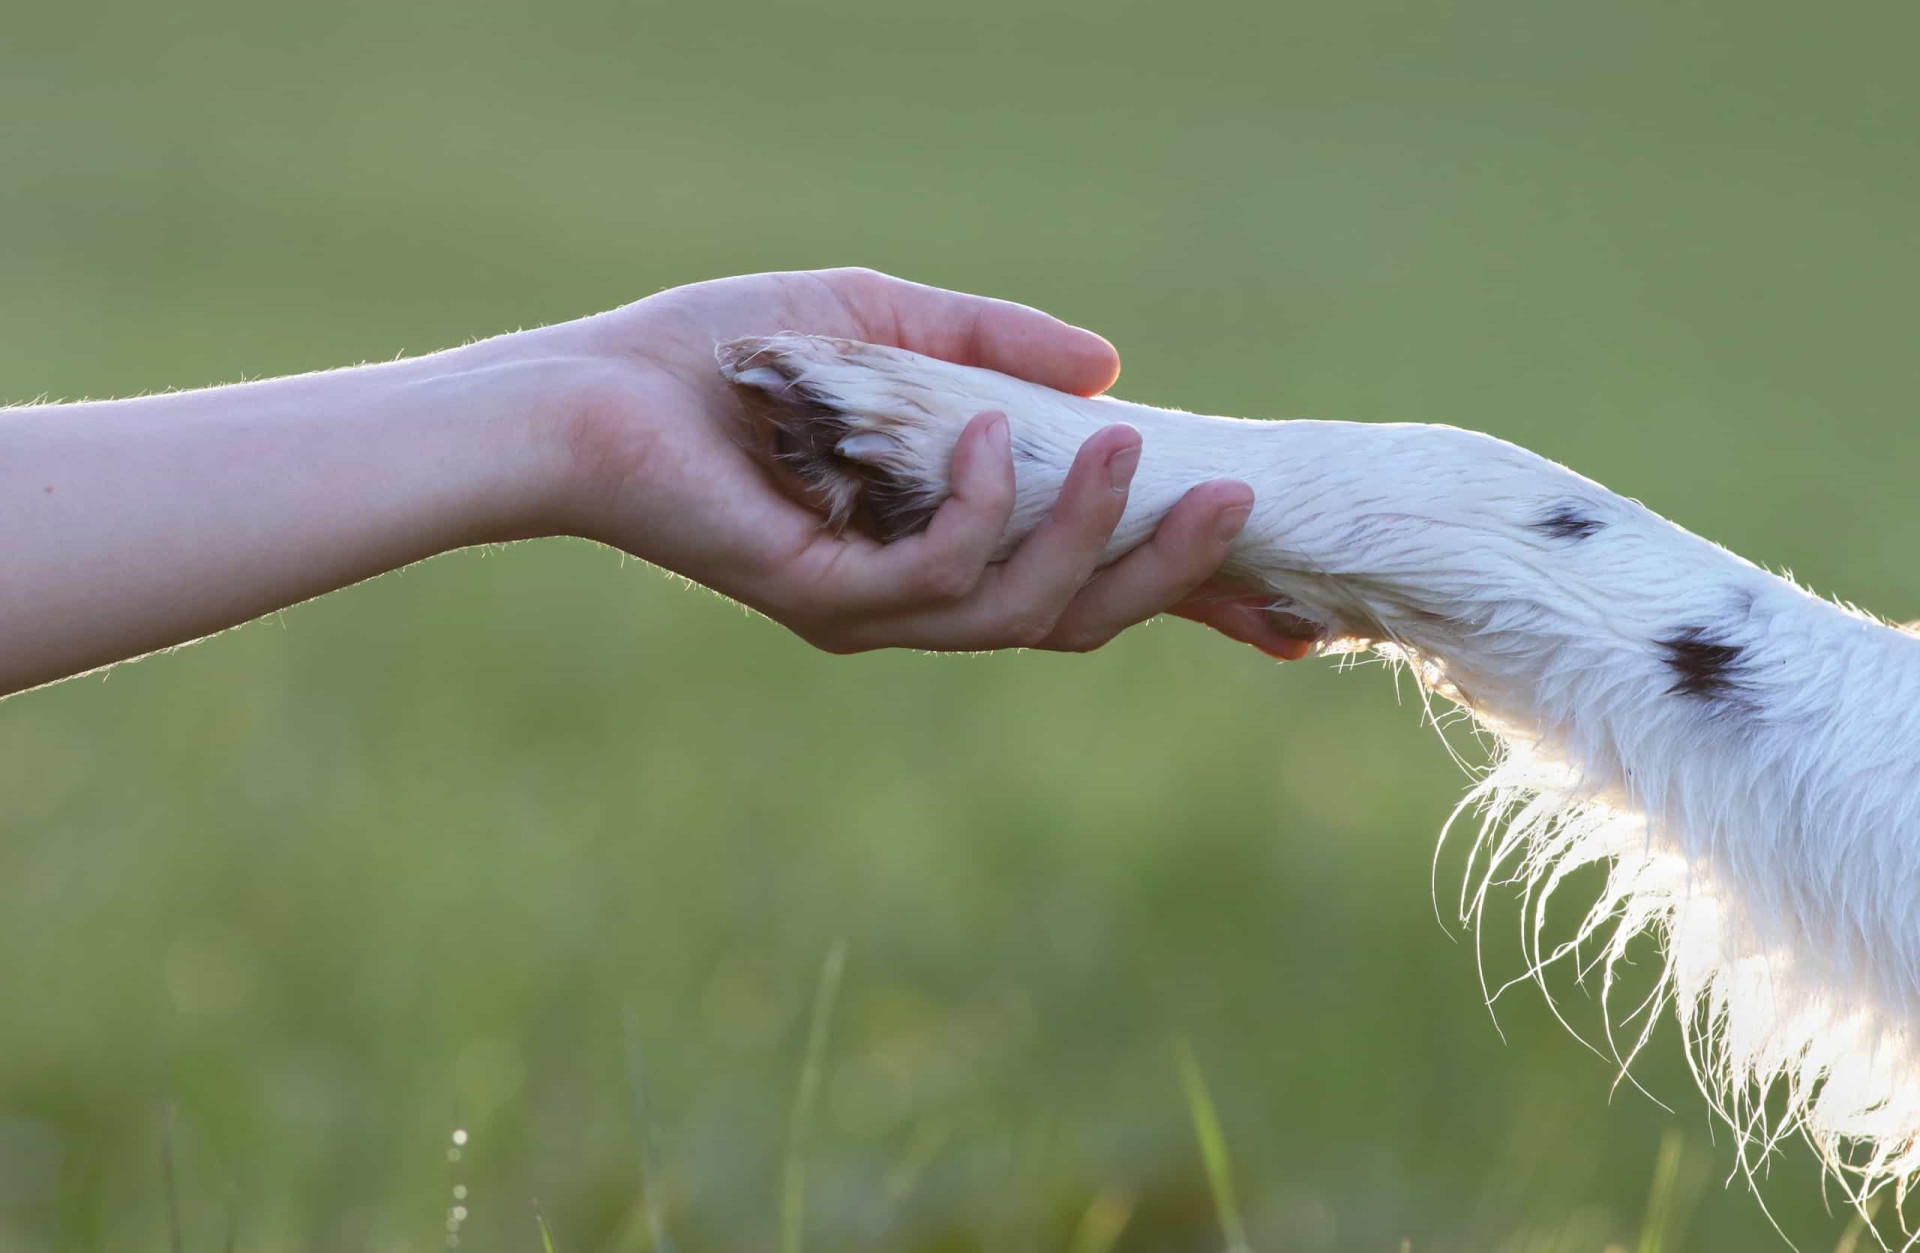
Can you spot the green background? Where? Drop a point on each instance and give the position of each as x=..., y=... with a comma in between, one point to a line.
x=454, y=848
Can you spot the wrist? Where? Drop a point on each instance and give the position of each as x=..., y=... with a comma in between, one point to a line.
x=536, y=418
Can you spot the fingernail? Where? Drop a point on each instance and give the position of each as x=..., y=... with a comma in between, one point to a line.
x=1230, y=521
x=998, y=438
x=1120, y=467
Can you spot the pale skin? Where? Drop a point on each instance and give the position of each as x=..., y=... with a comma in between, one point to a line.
x=132, y=525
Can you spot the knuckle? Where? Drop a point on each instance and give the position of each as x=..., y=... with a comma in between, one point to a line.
x=1028, y=630
x=1089, y=516
x=818, y=627
x=858, y=278
x=948, y=579
x=835, y=643
x=1081, y=639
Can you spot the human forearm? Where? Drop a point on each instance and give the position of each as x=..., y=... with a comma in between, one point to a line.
x=129, y=526
x=132, y=525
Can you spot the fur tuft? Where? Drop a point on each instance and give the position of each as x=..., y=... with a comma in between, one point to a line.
x=1777, y=1046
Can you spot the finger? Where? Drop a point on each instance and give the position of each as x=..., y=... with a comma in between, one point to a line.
x=1055, y=561
x=944, y=562
x=1250, y=622
x=977, y=330
x=1185, y=550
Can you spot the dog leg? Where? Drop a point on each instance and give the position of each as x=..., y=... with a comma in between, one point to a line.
x=1742, y=758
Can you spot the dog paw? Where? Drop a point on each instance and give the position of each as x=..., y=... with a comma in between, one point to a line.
x=867, y=435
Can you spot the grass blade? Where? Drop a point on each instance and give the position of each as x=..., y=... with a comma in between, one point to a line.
x=1100, y=1227
x=636, y=1087
x=168, y=1178
x=1213, y=1146
x=793, y=1190
x=1670, y=1197
x=1862, y=1223
x=546, y=1233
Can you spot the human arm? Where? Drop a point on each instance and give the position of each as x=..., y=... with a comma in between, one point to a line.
x=132, y=525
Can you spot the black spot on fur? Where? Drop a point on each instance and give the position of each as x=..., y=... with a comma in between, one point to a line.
x=1565, y=519
x=1703, y=664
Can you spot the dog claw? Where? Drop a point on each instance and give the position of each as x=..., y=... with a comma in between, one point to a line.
x=764, y=377
x=864, y=446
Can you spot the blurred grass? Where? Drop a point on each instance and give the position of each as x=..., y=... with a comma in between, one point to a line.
x=793, y=1173
x=1672, y=1195
x=1213, y=1146
x=397, y=861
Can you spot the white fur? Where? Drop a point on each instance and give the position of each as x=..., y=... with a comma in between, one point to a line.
x=1763, y=830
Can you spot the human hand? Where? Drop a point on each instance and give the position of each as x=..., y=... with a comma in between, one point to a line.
x=663, y=472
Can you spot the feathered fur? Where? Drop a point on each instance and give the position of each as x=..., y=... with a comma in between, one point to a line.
x=1741, y=757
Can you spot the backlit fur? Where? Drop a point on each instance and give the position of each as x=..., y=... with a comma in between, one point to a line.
x=1742, y=758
